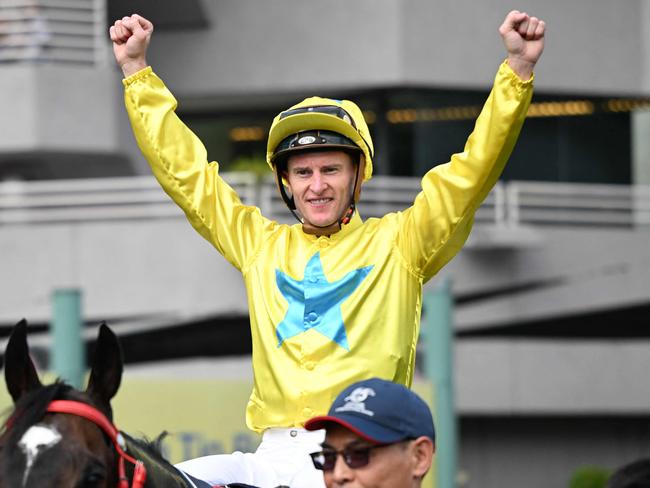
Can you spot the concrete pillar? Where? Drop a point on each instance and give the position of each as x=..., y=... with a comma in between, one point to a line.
x=438, y=336
x=68, y=358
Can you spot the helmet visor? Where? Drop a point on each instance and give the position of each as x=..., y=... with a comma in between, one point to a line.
x=314, y=140
x=323, y=109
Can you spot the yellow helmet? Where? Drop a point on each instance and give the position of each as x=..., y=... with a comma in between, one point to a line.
x=314, y=114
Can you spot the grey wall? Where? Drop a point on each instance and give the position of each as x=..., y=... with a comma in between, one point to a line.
x=552, y=377
x=589, y=48
x=58, y=108
x=65, y=121
x=577, y=270
x=282, y=46
x=254, y=46
x=140, y=268
x=543, y=452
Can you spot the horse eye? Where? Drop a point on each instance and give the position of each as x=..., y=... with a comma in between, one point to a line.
x=93, y=478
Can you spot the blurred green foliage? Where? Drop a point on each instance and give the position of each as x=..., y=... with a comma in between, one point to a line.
x=255, y=164
x=589, y=477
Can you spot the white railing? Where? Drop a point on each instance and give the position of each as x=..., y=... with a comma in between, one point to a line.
x=98, y=199
x=54, y=31
x=513, y=204
x=538, y=203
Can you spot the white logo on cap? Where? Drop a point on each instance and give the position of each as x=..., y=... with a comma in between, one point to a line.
x=306, y=140
x=355, y=401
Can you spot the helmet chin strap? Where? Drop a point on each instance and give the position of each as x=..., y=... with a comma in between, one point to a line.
x=343, y=219
x=349, y=213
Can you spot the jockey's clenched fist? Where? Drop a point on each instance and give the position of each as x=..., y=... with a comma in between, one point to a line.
x=131, y=36
x=523, y=37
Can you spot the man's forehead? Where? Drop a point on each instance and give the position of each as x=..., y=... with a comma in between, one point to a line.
x=318, y=158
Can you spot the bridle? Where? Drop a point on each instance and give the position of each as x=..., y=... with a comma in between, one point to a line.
x=88, y=412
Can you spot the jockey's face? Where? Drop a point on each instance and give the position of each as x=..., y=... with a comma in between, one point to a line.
x=402, y=464
x=321, y=184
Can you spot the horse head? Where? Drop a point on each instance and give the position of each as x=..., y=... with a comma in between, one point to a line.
x=41, y=443
x=57, y=436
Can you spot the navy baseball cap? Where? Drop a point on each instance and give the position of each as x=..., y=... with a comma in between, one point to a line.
x=380, y=411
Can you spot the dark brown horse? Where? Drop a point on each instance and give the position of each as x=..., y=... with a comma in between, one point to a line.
x=60, y=437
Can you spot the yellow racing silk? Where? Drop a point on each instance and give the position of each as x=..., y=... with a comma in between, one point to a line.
x=328, y=311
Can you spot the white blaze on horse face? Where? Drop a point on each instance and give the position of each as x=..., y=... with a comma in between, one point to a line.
x=37, y=438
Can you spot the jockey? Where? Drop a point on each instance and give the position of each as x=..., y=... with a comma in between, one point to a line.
x=332, y=299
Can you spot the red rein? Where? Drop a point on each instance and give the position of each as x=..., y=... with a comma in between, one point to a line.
x=99, y=419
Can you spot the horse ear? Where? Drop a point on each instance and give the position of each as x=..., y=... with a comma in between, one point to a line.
x=20, y=373
x=106, y=370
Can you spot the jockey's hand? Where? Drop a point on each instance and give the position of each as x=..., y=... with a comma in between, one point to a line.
x=523, y=37
x=131, y=36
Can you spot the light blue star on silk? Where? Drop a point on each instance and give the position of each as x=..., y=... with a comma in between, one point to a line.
x=315, y=303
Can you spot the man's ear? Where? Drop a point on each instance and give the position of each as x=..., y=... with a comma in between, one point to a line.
x=282, y=170
x=422, y=450
x=285, y=176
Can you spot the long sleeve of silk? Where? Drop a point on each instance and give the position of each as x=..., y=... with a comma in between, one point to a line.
x=435, y=228
x=179, y=162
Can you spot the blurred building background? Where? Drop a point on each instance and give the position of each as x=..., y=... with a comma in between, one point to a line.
x=552, y=291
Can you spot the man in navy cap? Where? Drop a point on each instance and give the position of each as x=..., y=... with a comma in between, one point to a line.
x=378, y=434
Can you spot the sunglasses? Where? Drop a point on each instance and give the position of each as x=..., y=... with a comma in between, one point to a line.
x=321, y=109
x=354, y=457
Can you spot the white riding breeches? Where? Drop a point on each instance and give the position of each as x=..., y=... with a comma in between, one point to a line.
x=282, y=459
